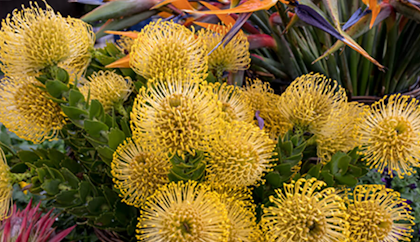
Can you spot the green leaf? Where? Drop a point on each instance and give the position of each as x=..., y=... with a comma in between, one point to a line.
x=328, y=178
x=55, y=155
x=110, y=195
x=340, y=165
x=75, y=97
x=74, y=113
x=97, y=205
x=105, y=219
x=72, y=165
x=284, y=169
x=115, y=138
x=314, y=171
x=19, y=168
x=84, y=190
x=94, y=128
x=95, y=109
x=125, y=127
x=68, y=198
x=42, y=174
x=124, y=213
x=112, y=49
x=56, y=88
x=27, y=156
x=72, y=180
x=287, y=148
x=274, y=179
x=347, y=180
x=105, y=151
x=51, y=186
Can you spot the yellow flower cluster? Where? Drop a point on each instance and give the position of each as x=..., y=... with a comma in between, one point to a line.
x=306, y=212
x=195, y=212
x=6, y=187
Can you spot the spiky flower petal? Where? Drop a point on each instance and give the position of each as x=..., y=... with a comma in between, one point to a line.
x=340, y=130
x=309, y=100
x=240, y=155
x=378, y=214
x=139, y=168
x=27, y=110
x=108, y=88
x=164, y=46
x=390, y=135
x=264, y=100
x=235, y=105
x=6, y=187
x=232, y=57
x=305, y=212
x=184, y=212
x=33, y=39
x=178, y=112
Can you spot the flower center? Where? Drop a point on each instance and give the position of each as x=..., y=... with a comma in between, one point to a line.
x=183, y=225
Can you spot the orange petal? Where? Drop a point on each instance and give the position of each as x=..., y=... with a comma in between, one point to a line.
x=121, y=63
x=164, y=14
x=209, y=26
x=129, y=34
x=226, y=19
x=246, y=7
x=375, y=12
x=180, y=4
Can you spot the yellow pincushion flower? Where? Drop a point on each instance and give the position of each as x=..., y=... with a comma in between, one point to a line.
x=177, y=112
x=390, y=135
x=309, y=100
x=305, y=212
x=235, y=105
x=240, y=155
x=108, y=88
x=264, y=100
x=139, y=168
x=183, y=212
x=164, y=46
x=6, y=187
x=378, y=214
x=233, y=57
x=27, y=110
x=241, y=213
x=340, y=130
x=33, y=39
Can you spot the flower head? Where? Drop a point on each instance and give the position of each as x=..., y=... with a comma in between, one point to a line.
x=378, y=214
x=183, y=212
x=340, y=130
x=139, y=168
x=264, y=100
x=178, y=112
x=232, y=57
x=309, y=100
x=33, y=39
x=108, y=88
x=164, y=46
x=27, y=110
x=390, y=135
x=240, y=155
x=6, y=187
x=235, y=105
x=304, y=212
x=241, y=213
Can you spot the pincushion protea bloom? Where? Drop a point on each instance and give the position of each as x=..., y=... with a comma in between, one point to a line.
x=309, y=100
x=235, y=104
x=125, y=43
x=164, y=46
x=340, y=130
x=27, y=110
x=109, y=88
x=232, y=57
x=390, y=135
x=306, y=212
x=139, y=168
x=378, y=214
x=239, y=155
x=33, y=39
x=264, y=101
x=181, y=211
x=177, y=112
x=30, y=225
x=6, y=187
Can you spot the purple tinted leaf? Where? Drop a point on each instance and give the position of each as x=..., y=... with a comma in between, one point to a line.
x=259, y=119
x=62, y=234
x=355, y=18
x=311, y=17
x=243, y=17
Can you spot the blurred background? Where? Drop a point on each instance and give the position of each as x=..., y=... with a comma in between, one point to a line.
x=65, y=7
